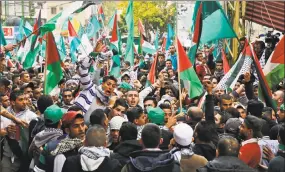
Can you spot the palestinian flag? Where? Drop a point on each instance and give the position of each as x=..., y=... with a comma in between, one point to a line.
x=73, y=41
x=265, y=91
x=152, y=72
x=187, y=73
x=53, y=65
x=115, y=39
x=274, y=68
x=101, y=13
x=116, y=66
x=196, y=36
x=163, y=44
x=34, y=47
x=226, y=65
x=241, y=66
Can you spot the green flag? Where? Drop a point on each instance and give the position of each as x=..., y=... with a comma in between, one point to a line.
x=115, y=70
x=50, y=25
x=61, y=48
x=130, y=24
x=93, y=27
x=215, y=24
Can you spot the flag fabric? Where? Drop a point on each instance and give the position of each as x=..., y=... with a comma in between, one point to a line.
x=170, y=35
x=152, y=72
x=156, y=40
x=141, y=28
x=21, y=30
x=147, y=47
x=2, y=37
x=129, y=56
x=274, y=68
x=101, y=13
x=242, y=65
x=53, y=69
x=28, y=26
x=93, y=27
x=51, y=24
x=140, y=44
x=73, y=41
x=114, y=35
x=116, y=66
x=111, y=21
x=163, y=44
x=85, y=47
x=187, y=73
x=265, y=91
x=196, y=36
x=226, y=65
x=214, y=21
x=20, y=53
x=35, y=47
x=83, y=7
x=61, y=48
x=80, y=31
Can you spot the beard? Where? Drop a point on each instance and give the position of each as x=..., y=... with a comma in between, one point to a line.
x=242, y=136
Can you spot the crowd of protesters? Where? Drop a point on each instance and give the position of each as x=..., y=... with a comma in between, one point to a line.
x=96, y=122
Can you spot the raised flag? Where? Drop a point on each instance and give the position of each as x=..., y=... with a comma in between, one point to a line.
x=93, y=27
x=61, y=48
x=114, y=37
x=152, y=72
x=196, y=36
x=187, y=73
x=226, y=65
x=73, y=41
x=170, y=35
x=214, y=21
x=141, y=27
x=83, y=7
x=130, y=41
x=116, y=66
x=53, y=69
x=274, y=68
x=101, y=13
x=156, y=40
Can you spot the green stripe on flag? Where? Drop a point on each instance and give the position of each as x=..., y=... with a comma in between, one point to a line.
x=53, y=77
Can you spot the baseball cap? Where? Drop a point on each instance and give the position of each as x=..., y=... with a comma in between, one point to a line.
x=232, y=125
x=116, y=122
x=70, y=116
x=155, y=115
x=26, y=85
x=53, y=114
x=255, y=124
x=183, y=134
x=240, y=105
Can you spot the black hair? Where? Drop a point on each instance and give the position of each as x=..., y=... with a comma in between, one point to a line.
x=63, y=80
x=44, y=102
x=225, y=97
x=219, y=61
x=109, y=77
x=15, y=94
x=75, y=108
x=66, y=89
x=49, y=124
x=2, y=95
x=169, y=60
x=134, y=113
x=164, y=106
x=97, y=117
x=23, y=73
x=233, y=111
x=15, y=76
x=242, y=39
x=204, y=131
x=195, y=115
x=150, y=98
x=151, y=135
x=281, y=133
x=128, y=131
x=228, y=146
x=120, y=102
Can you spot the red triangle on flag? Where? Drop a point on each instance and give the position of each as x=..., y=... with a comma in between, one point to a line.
x=278, y=54
x=226, y=65
x=71, y=30
x=184, y=62
x=52, y=54
x=114, y=37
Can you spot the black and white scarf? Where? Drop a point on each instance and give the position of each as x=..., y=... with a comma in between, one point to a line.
x=66, y=145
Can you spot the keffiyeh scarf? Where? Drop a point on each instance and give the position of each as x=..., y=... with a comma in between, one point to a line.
x=66, y=145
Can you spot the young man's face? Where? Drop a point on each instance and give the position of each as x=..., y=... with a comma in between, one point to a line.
x=20, y=103
x=242, y=112
x=108, y=87
x=115, y=136
x=168, y=64
x=149, y=103
x=161, y=59
x=244, y=131
x=225, y=104
x=67, y=97
x=119, y=111
x=126, y=79
x=172, y=49
x=5, y=101
x=141, y=120
x=37, y=93
x=219, y=66
x=132, y=98
x=167, y=114
x=26, y=78
x=170, y=73
x=77, y=129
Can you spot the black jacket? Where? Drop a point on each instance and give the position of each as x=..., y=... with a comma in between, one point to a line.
x=206, y=150
x=151, y=161
x=73, y=164
x=124, y=149
x=226, y=164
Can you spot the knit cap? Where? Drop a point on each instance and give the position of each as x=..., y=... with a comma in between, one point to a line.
x=116, y=122
x=183, y=134
x=155, y=115
x=53, y=114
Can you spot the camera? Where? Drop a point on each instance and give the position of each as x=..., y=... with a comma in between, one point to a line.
x=271, y=39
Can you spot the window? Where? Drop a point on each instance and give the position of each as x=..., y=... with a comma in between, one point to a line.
x=53, y=10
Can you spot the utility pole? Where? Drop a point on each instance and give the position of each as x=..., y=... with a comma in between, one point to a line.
x=23, y=8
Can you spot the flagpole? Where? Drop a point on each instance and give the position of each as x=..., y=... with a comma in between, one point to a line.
x=176, y=44
x=45, y=71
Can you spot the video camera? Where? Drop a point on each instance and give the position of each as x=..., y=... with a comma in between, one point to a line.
x=271, y=39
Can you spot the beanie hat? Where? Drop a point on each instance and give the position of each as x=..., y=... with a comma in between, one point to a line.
x=183, y=134
x=155, y=115
x=232, y=125
x=53, y=114
x=116, y=122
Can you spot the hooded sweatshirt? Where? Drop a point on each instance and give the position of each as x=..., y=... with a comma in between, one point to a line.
x=91, y=159
x=150, y=161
